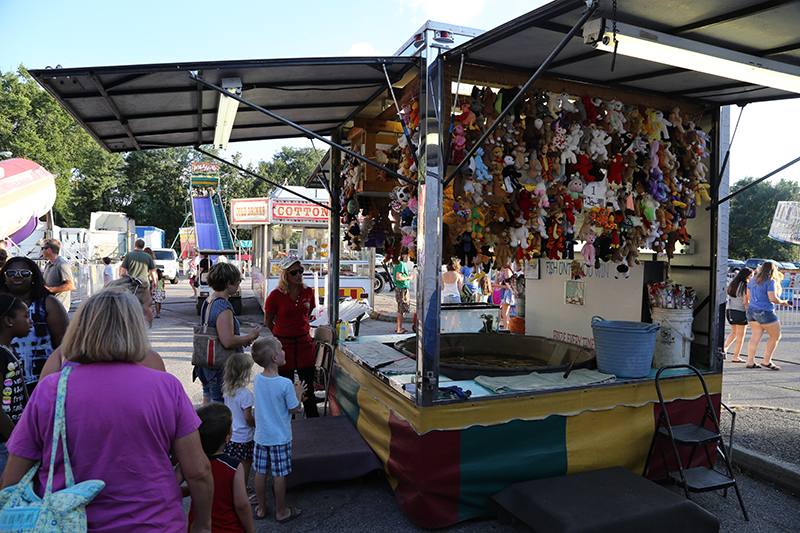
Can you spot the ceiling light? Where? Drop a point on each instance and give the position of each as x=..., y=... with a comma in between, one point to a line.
x=226, y=114
x=683, y=53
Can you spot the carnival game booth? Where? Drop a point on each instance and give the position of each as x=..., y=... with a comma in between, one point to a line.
x=627, y=221
x=293, y=222
x=599, y=181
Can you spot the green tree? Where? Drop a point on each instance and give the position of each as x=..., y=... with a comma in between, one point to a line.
x=154, y=188
x=34, y=126
x=96, y=184
x=751, y=215
x=289, y=165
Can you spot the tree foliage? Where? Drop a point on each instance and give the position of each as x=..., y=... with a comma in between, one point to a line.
x=34, y=126
x=751, y=215
x=150, y=186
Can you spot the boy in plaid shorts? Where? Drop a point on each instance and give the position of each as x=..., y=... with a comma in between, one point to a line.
x=276, y=399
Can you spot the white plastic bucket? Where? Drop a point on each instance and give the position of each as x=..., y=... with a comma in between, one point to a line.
x=674, y=341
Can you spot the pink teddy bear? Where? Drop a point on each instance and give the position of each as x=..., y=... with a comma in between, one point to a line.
x=588, y=248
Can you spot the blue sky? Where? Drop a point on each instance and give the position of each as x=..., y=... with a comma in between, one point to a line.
x=86, y=33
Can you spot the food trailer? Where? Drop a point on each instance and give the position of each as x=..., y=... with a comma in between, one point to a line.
x=293, y=222
x=448, y=444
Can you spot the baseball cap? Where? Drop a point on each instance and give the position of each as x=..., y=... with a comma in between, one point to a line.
x=287, y=263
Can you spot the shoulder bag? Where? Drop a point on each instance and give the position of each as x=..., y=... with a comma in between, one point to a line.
x=21, y=510
x=208, y=351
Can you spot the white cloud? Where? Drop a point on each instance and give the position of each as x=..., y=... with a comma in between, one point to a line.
x=458, y=12
x=362, y=49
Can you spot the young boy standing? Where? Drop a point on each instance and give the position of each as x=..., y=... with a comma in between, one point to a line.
x=230, y=510
x=276, y=399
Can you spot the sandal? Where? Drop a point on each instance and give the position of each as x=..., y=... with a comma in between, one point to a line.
x=754, y=366
x=402, y=331
x=770, y=366
x=294, y=513
x=738, y=361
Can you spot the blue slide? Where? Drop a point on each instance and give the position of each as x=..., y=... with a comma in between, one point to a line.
x=205, y=225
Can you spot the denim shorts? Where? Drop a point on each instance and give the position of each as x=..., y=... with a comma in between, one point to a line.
x=762, y=317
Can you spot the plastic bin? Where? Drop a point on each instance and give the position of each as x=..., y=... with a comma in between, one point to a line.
x=623, y=348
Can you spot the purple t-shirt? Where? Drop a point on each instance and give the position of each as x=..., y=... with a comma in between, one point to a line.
x=122, y=420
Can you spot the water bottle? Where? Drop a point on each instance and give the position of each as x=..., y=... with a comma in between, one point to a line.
x=341, y=328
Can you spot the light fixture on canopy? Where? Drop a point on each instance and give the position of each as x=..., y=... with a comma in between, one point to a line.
x=226, y=114
x=678, y=52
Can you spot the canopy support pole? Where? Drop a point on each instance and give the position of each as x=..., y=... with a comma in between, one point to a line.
x=308, y=132
x=759, y=180
x=334, y=240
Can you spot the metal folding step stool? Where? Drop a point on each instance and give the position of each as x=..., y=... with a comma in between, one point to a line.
x=697, y=479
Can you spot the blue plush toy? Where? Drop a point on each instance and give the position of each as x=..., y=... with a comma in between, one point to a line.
x=481, y=170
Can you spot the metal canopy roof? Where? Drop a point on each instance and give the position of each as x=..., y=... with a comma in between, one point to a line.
x=141, y=107
x=765, y=29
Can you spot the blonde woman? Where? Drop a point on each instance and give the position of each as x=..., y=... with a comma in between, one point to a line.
x=286, y=314
x=761, y=313
x=124, y=421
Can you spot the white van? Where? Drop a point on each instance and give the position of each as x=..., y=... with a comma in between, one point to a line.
x=167, y=262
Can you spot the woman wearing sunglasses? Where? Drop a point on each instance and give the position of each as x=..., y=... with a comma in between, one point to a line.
x=22, y=278
x=286, y=314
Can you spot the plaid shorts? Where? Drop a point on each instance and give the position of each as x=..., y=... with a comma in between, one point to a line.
x=278, y=457
x=240, y=450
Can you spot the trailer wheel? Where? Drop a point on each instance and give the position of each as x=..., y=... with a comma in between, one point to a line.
x=379, y=283
x=174, y=280
x=236, y=303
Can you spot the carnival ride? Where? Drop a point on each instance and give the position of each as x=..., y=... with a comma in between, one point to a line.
x=27, y=192
x=210, y=225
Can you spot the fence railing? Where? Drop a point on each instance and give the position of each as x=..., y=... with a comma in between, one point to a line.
x=789, y=316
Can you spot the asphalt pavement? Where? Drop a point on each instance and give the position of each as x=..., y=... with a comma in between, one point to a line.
x=767, y=428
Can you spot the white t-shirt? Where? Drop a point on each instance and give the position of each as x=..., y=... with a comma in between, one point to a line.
x=237, y=404
x=108, y=274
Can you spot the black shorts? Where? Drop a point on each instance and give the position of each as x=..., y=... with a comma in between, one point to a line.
x=737, y=318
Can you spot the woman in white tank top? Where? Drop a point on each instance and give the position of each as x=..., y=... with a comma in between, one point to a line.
x=452, y=281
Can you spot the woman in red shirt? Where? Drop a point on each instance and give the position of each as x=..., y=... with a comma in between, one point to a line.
x=286, y=314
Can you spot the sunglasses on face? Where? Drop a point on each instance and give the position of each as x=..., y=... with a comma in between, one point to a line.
x=14, y=273
x=296, y=271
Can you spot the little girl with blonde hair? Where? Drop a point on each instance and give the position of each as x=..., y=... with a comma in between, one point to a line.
x=239, y=399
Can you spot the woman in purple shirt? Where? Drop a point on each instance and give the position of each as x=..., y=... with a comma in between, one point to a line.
x=123, y=421
x=761, y=313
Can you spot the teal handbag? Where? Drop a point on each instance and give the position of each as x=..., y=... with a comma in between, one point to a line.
x=21, y=510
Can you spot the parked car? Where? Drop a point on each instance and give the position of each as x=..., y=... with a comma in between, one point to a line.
x=753, y=263
x=734, y=266
x=167, y=262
